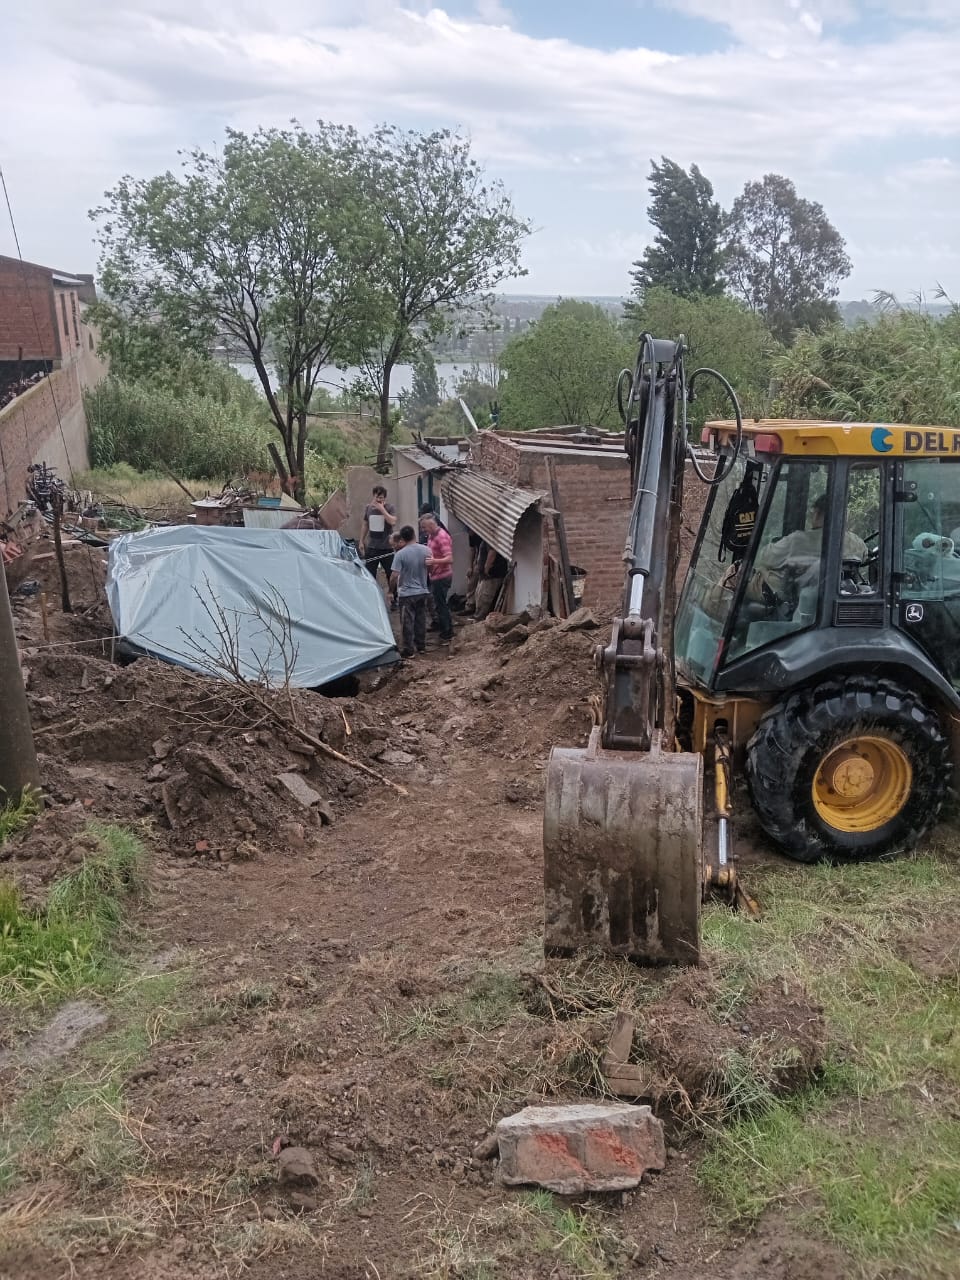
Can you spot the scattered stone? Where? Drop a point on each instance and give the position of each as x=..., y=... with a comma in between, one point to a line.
x=210, y=765
x=297, y=1168
x=157, y=773
x=580, y=620
x=392, y=756
x=295, y=834
x=517, y=635
x=580, y=1148
x=341, y=1153
x=501, y=623
x=162, y=748
x=303, y=1200
x=246, y=851
x=620, y=1042
x=325, y=812
x=487, y=1147
x=202, y=846
x=301, y=792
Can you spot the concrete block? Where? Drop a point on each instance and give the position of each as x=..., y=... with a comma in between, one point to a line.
x=580, y=1148
x=301, y=792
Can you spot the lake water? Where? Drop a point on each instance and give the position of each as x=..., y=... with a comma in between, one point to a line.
x=334, y=380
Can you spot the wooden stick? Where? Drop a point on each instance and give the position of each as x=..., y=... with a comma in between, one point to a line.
x=561, y=528
x=44, y=617
x=258, y=697
x=334, y=755
x=178, y=483
x=56, y=501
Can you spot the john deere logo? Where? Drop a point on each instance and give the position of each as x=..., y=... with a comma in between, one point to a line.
x=914, y=613
x=880, y=440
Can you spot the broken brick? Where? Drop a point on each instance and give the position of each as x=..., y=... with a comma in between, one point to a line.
x=580, y=1148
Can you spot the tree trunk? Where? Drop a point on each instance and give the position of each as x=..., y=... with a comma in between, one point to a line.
x=384, y=443
x=300, y=485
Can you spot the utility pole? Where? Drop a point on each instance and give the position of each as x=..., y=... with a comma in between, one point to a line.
x=18, y=756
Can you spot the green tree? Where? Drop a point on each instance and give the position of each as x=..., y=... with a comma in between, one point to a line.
x=723, y=334
x=563, y=371
x=685, y=257
x=903, y=367
x=784, y=257
x=265, y=245
x=447, y=237
x=425, y=392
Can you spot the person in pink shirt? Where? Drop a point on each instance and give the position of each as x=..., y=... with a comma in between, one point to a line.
x=440, y=568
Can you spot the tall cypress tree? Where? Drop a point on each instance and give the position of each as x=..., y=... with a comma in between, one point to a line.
x=686, y=256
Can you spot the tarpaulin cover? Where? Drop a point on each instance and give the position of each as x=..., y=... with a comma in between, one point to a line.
x=173, y=592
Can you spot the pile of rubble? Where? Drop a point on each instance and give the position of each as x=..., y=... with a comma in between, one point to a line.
x=218, y=774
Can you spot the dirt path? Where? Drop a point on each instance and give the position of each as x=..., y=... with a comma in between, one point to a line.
x=369, y=996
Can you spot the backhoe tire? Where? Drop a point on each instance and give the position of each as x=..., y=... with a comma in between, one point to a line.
x=851, y=769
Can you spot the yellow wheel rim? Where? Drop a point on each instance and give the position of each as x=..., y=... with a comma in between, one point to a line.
x=862, y=783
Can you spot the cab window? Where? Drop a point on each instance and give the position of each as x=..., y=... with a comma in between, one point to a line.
x=781, y=594
x=929, y=540
x=860, y=549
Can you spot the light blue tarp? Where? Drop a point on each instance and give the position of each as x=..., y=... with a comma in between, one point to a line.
x=174, y=591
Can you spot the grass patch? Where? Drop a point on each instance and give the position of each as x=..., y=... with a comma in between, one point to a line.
x=79, y=1125
x=15, y=818
x=66, y=947
x=569, y=1240
x=487, y=1002
x=866, y=1157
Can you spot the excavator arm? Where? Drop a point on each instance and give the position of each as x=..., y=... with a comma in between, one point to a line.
x=638, y=664
x=623, y=820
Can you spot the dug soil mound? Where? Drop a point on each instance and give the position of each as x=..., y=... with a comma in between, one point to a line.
x=221, y=774
x=531, y=689
x=704, y=1054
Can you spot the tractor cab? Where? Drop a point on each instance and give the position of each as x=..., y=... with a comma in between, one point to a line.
x=826, y=546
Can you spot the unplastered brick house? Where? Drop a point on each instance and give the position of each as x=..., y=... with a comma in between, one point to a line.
x=593, y=482
x=48, y=356
x=497, y=485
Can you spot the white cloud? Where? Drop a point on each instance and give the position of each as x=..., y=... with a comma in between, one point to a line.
x=90, y=93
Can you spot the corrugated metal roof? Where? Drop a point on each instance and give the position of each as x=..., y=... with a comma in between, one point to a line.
x=410, y=453
x=488, y=505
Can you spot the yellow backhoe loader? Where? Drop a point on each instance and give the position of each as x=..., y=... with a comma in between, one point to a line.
x=815, y=649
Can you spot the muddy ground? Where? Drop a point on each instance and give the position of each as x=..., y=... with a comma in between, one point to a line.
x=366, y=981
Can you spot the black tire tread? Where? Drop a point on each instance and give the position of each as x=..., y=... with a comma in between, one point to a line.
x=778, y=766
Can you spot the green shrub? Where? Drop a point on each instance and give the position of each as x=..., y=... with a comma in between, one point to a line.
x=219, y=432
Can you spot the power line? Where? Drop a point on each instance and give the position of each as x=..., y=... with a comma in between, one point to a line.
x=36, y=322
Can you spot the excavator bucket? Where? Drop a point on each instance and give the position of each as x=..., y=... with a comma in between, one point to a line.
x=622, y=852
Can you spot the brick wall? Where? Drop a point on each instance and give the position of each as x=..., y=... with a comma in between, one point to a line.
x=30, y=431
x=27, y=316
x=499, y=456
x=595, y=501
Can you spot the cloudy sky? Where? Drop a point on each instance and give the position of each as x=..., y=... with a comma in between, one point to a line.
x=565, y=100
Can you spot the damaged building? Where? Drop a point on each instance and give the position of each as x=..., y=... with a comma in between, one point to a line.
x=48, y=357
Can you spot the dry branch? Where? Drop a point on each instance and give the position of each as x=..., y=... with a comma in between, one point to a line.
x=278, y=628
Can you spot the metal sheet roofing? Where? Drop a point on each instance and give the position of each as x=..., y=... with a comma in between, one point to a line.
x=410, y=453
x=488, y=505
